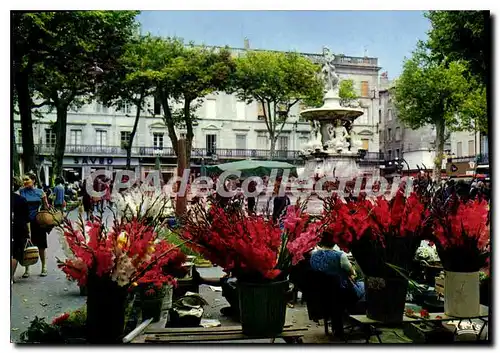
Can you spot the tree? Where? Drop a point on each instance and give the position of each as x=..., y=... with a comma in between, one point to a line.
x=129, y=82
x=28, y=49
x=465, y=36
x=276, y=81
x=430, y=92
x=462, y=35
x=183, y=75
x=347, y=94
x=73, y=42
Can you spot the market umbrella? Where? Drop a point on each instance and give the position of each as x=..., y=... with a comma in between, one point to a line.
x=253, y=168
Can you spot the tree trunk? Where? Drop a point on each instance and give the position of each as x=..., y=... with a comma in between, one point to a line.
x=438, y=160
x=24, y=103
x=138, y=105
x=189, y=132
x=167, y=119
x=15, y=155
x=60, y=130
x=181, y=201
x=272, y=148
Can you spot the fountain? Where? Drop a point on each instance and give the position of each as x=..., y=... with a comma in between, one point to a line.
x=333, y=147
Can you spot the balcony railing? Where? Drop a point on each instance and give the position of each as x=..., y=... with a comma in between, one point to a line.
x=196, y=153
x=219, y=153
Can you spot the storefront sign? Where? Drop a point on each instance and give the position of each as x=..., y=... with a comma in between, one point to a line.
x=93, y=160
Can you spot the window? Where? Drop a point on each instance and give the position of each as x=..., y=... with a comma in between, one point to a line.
x=50, y=137
x=241, y=141
x=398, y=133
x=211, y=144
x=283, y=143
x=97, y=107
x=389, y=135
x=240, y=110
x=380, y=115
x=364, y=144
x=302, y=107
x=157, y=106
x=158, y=140
x=211, y=109
x=126, y=108
x=262, y=140
x=101, y=137
x=472, y=151
x=182, y=136
x=364, y=88
x=75, y=137
x=459, y=149
x=389, y=153
x=260, y=111
x=19, y=137
x=397, y=153
x=389, y=114
x=124, y=138
x=303, y=139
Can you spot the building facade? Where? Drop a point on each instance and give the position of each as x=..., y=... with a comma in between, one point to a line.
x=227, y=129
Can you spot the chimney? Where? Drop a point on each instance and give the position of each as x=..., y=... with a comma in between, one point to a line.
x=246, y=44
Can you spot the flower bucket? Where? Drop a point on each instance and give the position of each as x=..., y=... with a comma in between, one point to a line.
x=262, y=307
x=106, y=303
x=461, y=294
x=151, y=305
x=151, y=308
x=385, y=299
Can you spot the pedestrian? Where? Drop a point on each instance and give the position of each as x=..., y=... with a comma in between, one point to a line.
x=59, y=201
x=20, y=227
x=35, y=198
x=86, y=200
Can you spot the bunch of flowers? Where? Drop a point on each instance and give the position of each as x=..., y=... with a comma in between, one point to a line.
x=427, y=251
x=250, y=247
x=461, y=232
x=127, y=253
x=377, y=231
x=136, y=203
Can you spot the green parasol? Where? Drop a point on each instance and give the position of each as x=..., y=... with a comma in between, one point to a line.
x=253, y=168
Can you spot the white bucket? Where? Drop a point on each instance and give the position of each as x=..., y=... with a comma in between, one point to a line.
x=461, y=294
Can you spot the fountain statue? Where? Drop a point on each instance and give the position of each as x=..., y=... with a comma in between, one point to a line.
x=333, y=147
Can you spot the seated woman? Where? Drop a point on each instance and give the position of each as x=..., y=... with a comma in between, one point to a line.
x=335, y=263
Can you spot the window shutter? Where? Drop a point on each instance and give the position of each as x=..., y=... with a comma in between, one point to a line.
x=364, y=88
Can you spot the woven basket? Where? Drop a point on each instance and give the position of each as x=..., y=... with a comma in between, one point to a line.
x=49, y=218
x=30, y=256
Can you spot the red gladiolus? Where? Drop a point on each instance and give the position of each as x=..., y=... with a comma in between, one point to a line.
x=60, y=319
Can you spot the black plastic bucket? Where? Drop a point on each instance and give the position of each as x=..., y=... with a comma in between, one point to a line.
x=262, y=308
x=385, y=299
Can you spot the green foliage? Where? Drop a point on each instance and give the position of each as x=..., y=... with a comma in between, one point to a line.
x=461, y=36
x=56, y=52
x=347, y=93
x=464, y=36
x=174, y=239
x=276, y=81
x=41, y=332
x=429, y=92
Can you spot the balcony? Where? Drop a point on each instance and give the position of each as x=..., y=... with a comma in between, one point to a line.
x=196, y=153
x=479, y=159
x=219, y=154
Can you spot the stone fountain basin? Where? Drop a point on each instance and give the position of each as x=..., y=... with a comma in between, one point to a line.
x=326, y=113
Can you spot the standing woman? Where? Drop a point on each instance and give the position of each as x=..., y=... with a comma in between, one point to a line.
x=35, y=198
x=20, y=227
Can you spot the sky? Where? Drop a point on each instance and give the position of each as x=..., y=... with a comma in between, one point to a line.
x=389, y=36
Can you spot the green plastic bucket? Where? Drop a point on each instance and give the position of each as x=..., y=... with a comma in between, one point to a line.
x=262, y=308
